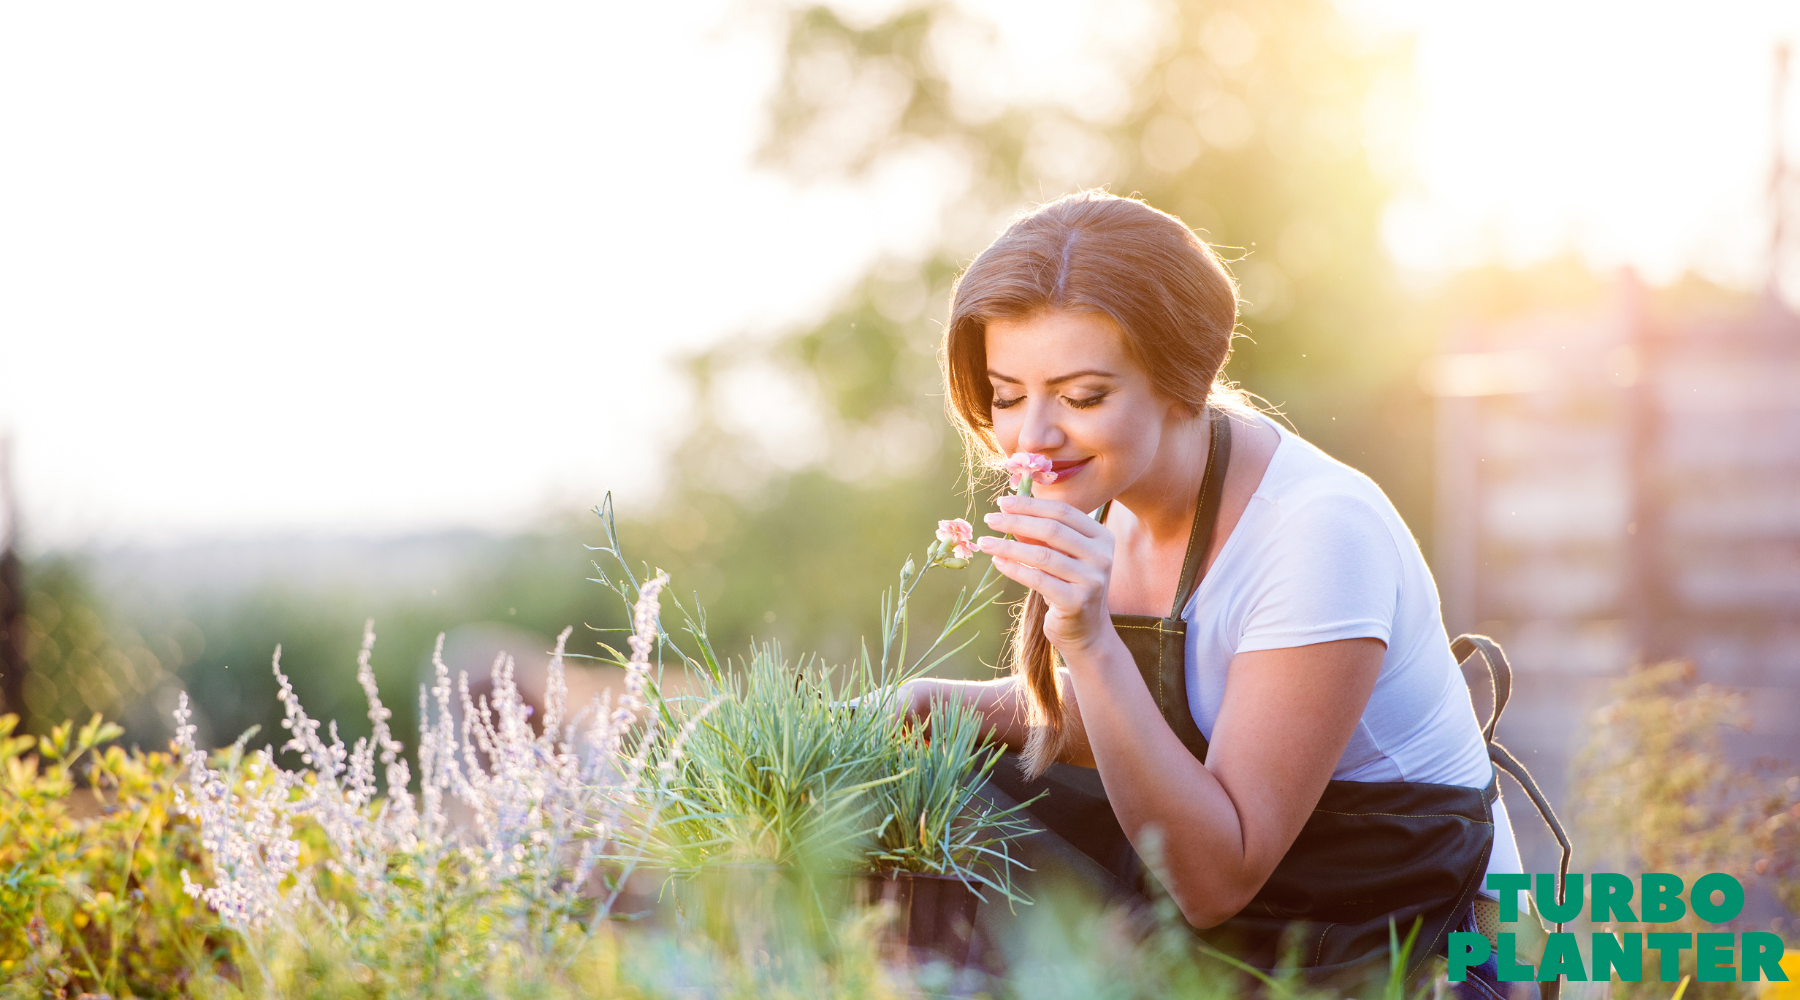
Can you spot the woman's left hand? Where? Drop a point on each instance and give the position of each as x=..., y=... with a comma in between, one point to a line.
x=1064, y=555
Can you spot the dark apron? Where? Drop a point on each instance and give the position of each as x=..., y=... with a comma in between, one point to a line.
x=1371, y=854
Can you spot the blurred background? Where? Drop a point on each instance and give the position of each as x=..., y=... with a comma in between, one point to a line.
x=316, y=314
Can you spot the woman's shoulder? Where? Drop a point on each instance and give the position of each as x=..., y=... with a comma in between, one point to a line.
x=1302, y=480
x=1319, y=556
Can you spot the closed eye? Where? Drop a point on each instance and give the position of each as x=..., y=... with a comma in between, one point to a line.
x=1082, y=404
x=1001, y=404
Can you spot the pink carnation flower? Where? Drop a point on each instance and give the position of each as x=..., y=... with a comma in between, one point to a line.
x=959, y=534
x=1030, y=464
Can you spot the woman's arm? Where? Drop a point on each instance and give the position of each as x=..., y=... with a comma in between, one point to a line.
x=1002, y=703
x=999, y=701
x=1286, y=718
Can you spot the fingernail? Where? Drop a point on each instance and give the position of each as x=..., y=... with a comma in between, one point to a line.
x=988, y=518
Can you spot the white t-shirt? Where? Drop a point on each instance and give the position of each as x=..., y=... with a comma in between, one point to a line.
x=1320, y=555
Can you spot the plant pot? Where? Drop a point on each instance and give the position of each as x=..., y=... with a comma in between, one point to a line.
x=935, y=917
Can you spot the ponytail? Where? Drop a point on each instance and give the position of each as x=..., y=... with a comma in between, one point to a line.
x=1034, y=664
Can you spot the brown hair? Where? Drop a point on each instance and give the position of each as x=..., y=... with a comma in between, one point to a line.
x=1087, y=252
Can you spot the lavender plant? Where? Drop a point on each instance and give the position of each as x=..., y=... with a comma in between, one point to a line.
x=501, y=844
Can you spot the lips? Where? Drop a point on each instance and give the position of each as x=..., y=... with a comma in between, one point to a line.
x=1065, y=470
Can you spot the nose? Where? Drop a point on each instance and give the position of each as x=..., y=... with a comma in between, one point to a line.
x=1040, y=431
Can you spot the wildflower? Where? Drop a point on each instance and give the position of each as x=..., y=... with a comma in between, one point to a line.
x=959, y=535
x=247, y=830
x=537, y=807
x=1025, y=467
x=954, y=547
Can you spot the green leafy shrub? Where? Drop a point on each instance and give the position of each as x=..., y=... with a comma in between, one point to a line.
x=91, y=857
x=1660, y=793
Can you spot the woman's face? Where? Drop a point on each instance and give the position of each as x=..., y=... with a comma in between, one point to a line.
x=1065, y=388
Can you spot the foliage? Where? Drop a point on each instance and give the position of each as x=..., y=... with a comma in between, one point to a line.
x=334, y=880
x=1660, y=793
x=455, y=944
x=312, y=598
x=938, y=779
x=81, y=658
x=618, y=961
x=90, y=877
x=803, y=765
x=775, y=773
x=496, y=869
x=343, y=878
x=122, y=635
x=1257, y=123
x=422, y=901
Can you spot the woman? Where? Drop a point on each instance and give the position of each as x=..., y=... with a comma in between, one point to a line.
x=1243, y=638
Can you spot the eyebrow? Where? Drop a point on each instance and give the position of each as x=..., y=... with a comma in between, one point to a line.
x=1060, y=378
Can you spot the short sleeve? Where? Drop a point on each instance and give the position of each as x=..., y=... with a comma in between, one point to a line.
x=1332, y=572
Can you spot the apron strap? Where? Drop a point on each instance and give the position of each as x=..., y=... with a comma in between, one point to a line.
x=1504, y=759
x=1206, y=511
x=1500, y=681
x=1499, y=674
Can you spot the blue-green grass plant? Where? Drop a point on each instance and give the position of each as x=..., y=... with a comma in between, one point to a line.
x=793, y=763
x=777, y=772
x=935, y=820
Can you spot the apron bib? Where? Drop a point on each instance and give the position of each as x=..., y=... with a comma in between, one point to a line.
x=1371, y=852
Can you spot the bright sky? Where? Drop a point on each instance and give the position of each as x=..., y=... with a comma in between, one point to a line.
x=1634, y=133
x=337, y=267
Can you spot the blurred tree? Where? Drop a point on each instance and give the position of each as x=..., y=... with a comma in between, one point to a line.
x=125, y=641
x=532, y=584
x=792, y=535
x=1260, y=124
x=12, y=632
x=12, y=595
x=80, y=659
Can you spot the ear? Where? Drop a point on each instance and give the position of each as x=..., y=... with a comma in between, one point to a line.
x=1182, y=409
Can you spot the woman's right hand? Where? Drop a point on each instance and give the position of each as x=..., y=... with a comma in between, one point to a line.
x=1064, y=555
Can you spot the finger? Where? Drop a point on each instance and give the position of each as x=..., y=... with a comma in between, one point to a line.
x=1059, y=593
x=1077, y=520
x=1049, y=560
x=1047, y=531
